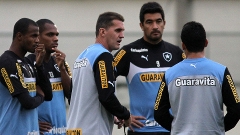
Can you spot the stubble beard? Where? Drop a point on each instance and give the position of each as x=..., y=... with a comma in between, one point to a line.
x=154, y=39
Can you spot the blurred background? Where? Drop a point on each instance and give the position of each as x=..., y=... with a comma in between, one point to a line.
x=76, y=20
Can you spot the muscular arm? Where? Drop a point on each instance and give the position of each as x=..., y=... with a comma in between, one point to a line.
x=105, y=81
x=231, y=100
x=162, y=106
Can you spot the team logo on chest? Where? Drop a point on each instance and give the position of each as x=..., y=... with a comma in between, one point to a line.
x=167, y=56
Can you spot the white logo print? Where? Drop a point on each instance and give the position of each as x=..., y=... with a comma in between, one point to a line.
x=19, y=61
x=80, y=63
x=111, y=83
x=23, y=66
x=30, y=67
x=144, y=57
x=139, y=50
x=56, y=67
x=12, y=75
x=193, y=65
x=167, y=56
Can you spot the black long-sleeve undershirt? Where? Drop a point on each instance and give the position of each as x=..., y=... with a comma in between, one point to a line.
x=107, y=95
x=43, y=81
x=29, y=102
x=162, y=114
x=41, y=78
x=233, y=108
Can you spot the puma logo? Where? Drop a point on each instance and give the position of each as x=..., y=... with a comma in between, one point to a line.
x=193, y=65
x=145, y=57
x=111, y=83
x=15, y=76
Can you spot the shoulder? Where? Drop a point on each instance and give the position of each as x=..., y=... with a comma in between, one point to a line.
x=170, y=45
x=215, y=64
x=174, y=49
x=8, y=59
x=7, y=55
x=106, y=56
x=94, y=52
x=96, y=49
x=31, y=56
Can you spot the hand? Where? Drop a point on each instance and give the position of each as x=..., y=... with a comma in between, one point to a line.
x=136, y=123
x=118, y=122
x=44, y=127
x=128, y=121
x=59, y=58
x=40, y=53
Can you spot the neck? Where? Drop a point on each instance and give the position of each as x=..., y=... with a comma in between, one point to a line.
x=16, y=48
x=47, y=57
x=102, y=43
x=193, y=55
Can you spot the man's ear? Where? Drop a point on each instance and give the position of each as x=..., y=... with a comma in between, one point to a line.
x=141, y=25
x=183, y=46
x=164, y=24
x=102, y=32
x=19, y=36
x=206, y=43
